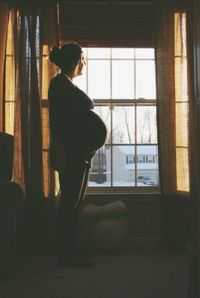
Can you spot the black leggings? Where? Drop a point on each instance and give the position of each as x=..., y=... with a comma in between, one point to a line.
x=73, y=185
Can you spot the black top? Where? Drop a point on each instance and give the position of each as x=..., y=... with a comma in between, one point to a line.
x=71, y=118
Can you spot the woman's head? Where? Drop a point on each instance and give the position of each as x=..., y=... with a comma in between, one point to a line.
x=69, y=58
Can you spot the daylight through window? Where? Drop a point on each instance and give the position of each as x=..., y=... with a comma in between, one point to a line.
x=122, y=83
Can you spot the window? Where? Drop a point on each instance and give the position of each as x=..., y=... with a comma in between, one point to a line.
x=122, y=83
x=181, y=103
x=9, y=85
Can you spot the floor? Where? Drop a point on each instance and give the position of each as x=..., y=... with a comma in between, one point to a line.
x=135, y=273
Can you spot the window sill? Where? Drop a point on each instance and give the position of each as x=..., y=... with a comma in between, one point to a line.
x=123, y=190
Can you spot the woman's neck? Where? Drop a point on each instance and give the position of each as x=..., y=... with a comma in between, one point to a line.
x=69, y=75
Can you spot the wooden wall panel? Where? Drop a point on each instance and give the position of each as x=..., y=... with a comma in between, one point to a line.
x=107, y=23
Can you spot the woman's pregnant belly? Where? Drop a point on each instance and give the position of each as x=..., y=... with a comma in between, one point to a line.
x=95, y=132
x=86, y=133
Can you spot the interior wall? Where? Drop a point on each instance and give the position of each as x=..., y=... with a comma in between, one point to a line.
x=194, y=246
x=36, y=221
x=143, y=211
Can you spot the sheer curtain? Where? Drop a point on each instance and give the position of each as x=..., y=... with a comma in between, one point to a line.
x=28, y=38
x=174, y=98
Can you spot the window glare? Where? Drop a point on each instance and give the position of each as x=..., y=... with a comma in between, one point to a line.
x=122, y=53
x=122, y=79
x=80, y=81
x=145, y=79
x=98, y=53
x=144, y=53
x=99, y=79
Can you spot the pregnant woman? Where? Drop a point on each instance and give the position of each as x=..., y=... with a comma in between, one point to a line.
x=77, y=132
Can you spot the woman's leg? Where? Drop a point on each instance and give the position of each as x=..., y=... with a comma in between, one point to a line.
x=71, y=183
x=84, y=185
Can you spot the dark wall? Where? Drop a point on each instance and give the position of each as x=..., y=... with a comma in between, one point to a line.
x=149, y=216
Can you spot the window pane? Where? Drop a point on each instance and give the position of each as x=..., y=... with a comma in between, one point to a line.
x=182, y=124
x=100, y=173
x=98, y=53
x=10, y=37
x=180, y=33
x=123, y=125
x=145, y=80
x=181, y=85
x=9, y=79
x=48, y=71
x=123, y=171
x=45, y=74
x=9, y=119
x=147, y=165
x=122, y=53
x=99, y=79
x=146, y=124
x=144, y=53
x=181, y=97
x=104, y=113
x=45, y=159
x=182, y=169
x=45, y=128
x=122, y=79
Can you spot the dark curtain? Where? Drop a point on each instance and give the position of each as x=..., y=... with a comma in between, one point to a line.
x=29, y=21
x=165, y=79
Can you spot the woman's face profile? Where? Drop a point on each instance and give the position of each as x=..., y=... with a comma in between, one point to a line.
x=79, y=68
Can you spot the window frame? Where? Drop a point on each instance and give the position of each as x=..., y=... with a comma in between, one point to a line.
x=109, y=102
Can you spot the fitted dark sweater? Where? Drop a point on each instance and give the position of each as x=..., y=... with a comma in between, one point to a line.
x=73, y=120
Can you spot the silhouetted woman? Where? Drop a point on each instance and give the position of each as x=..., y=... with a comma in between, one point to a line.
x=77, y=133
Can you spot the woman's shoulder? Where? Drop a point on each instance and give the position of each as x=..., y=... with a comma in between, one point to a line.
x=60, y=85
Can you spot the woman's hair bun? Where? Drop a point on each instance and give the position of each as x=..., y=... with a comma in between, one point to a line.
x=54, y=55
x=65, y=56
